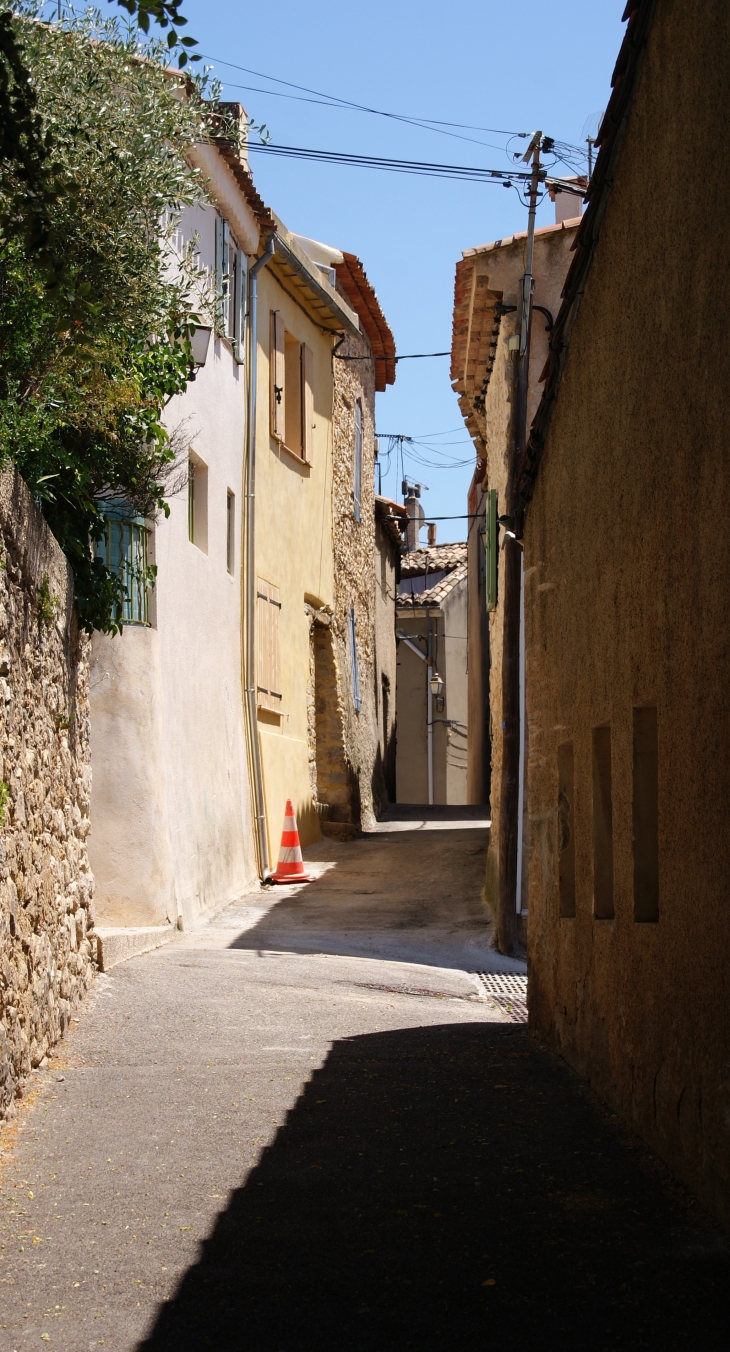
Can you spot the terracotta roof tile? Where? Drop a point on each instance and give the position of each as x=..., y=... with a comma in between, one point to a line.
x=435, y=595
x=353, y=279
x=432, y=559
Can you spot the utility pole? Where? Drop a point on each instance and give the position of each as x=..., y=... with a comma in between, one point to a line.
x=512, y=575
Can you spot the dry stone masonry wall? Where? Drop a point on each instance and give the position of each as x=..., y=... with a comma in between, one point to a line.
x=354, y=575
x=47, y=941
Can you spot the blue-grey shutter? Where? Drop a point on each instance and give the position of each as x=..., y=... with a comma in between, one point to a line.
x=239, y=335
x=353, y=660
x=221, y=268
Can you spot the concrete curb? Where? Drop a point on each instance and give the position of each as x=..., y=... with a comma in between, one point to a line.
x=117, y=945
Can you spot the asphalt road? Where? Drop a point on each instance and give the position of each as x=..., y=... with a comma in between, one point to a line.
x=301, y=1127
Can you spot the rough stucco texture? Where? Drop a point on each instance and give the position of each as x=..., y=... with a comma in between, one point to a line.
x=627, y=552
x=47, y=944
x=354, y=576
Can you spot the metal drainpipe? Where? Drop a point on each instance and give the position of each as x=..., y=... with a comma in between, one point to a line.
x=250, y=493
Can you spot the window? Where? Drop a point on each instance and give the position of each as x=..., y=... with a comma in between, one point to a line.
x=230, y=531
x=198, y=503
x=646, y=815
x=357, y=477
x=353, y=662
x=231, y=277
x=292, y=401
x=566, y=830
x=602, y=825
x=123, y=548
x=268, y=679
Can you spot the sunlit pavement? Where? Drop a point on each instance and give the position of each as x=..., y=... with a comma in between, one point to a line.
x=302, y=1126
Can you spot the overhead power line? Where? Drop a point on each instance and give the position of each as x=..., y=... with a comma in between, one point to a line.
x=468, y=173
x=334, y=100
x=407, y=356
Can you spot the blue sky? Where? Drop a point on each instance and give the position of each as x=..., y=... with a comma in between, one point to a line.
x=507, y=67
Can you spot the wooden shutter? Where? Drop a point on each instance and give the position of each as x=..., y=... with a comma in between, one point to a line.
x=268, y=677
x=277, y=376
x=307, y=404
x=491, y=546
x=239, y=327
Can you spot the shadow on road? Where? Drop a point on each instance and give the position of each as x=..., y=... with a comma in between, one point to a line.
x=451, y=1187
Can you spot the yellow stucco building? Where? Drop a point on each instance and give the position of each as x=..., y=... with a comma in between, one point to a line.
x=300, y=317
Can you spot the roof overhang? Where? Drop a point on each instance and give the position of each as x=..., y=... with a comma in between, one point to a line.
x=310, y=287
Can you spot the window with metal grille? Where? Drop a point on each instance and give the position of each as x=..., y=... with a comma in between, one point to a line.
x=353, y=661
x=123, y=548
x=357, y=475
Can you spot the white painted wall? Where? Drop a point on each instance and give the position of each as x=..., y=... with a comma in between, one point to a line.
x=171, y=814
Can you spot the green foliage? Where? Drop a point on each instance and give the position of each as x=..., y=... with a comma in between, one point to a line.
x=47, y=603
x=95, y=318
x=4, y=795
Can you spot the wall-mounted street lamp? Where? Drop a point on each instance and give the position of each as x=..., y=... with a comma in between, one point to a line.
x=200, y=342
x=436, y=684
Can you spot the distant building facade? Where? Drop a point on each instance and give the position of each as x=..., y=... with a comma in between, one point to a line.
x=432, y=698
x=483, y=376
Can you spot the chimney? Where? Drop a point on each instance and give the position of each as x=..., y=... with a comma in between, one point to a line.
x=431, y=533
x=416, y=515
x=568, y=204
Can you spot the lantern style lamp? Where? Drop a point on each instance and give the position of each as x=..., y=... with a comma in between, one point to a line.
x=200, y=342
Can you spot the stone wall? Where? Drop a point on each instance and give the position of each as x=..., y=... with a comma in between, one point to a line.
x=47, y=941
x=355, y=578
x=627, y=552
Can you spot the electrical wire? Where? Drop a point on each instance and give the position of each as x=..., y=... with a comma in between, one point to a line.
x=334, y=100
x=301, y=98
x=463, y=172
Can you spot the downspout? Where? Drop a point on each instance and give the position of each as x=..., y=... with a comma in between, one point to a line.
x=250, y=592
x=509, y=798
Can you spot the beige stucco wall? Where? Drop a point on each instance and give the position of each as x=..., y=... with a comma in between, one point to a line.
x=47, y=939
x=478, y=749
x=131, y=842
x=171, y=812
x=385, y=561
x=627, y=548
x=449, y=625
x=451, y=744
x=499, y=268
x=293, y=553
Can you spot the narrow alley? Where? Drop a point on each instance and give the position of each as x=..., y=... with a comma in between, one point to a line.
x=306, y=1125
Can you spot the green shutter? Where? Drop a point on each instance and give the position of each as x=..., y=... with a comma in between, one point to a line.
x=239, y=336
x=491, y=546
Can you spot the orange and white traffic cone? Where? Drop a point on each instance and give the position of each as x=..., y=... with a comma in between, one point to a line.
x=290, y=868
